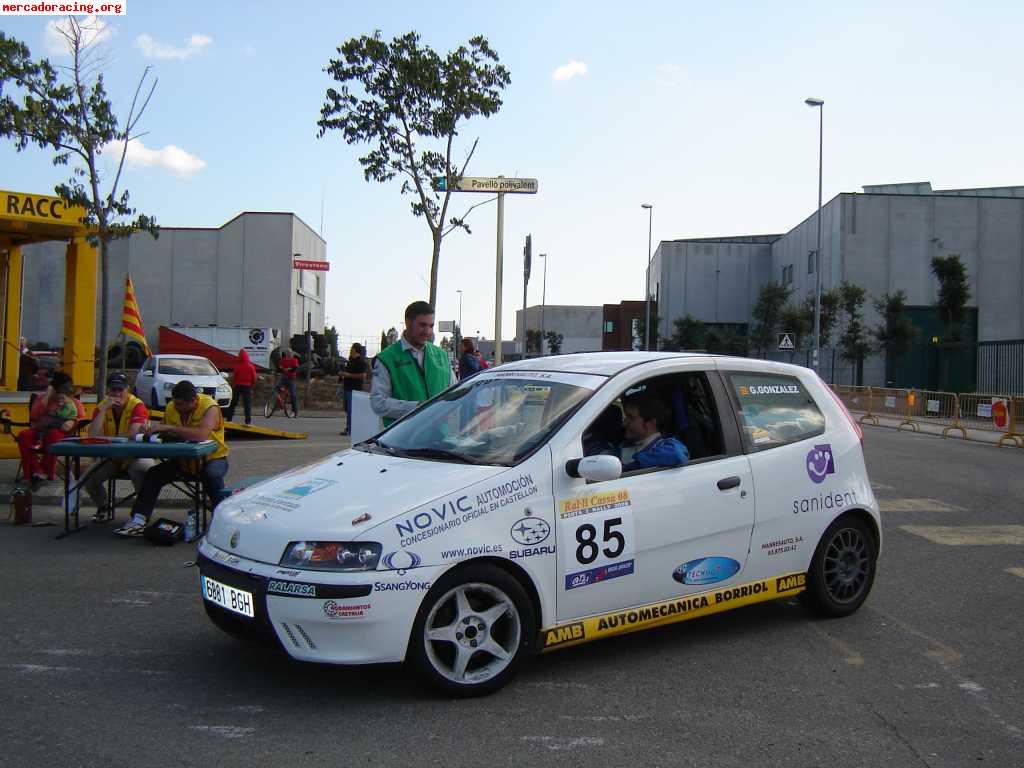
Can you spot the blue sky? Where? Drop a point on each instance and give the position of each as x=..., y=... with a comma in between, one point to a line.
x=694, y=107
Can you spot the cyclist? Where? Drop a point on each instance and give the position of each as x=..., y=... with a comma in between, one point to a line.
x=288, y=370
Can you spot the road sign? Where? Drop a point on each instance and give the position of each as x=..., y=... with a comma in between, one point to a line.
x=316, y=266
x=446, y=326
x=787, y=342
x=491, y=184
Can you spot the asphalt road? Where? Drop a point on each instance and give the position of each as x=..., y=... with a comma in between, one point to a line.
x=107, y=659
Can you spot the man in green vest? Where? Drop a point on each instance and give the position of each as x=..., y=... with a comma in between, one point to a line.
x=411, y=371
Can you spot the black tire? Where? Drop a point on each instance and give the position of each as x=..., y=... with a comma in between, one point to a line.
x=485, y=587
x=842, y=571
x=153, y=401
x=271, y=405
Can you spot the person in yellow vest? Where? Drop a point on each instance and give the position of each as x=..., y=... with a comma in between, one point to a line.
x=121, y=414
x=412, y=370
x=189, y=416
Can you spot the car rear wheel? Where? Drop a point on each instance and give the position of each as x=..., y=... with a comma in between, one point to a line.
x=843, y=569
x=472, y=631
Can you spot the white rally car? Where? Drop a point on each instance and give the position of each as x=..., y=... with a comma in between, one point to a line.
x=541, y=504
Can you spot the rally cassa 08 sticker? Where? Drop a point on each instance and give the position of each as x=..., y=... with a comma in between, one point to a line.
x=597, y=529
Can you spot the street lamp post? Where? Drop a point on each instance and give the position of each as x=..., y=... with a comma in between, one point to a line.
x=647, y=280
x=458, y=329
x=543, y=301
x=819, y=104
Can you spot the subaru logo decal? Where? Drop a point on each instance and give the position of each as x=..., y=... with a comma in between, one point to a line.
x=530, y=530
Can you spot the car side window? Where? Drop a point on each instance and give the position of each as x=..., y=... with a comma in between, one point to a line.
x=659, y=423
x=774, y=410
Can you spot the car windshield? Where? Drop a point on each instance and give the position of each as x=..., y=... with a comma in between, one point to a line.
x=489, y=419
x=186, y=366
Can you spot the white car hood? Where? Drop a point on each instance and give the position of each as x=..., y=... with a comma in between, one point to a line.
x=321, y=501
x=199, y=381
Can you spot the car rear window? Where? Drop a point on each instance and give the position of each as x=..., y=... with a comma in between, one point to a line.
x=774, y=410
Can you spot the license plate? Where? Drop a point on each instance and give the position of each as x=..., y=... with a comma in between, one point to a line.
x=237, y=600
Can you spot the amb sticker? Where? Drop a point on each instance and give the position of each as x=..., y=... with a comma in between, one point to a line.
x=789, y=583
x=570, y=633
x=671, y=611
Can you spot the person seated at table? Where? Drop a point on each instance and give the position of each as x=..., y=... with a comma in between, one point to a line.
x=193, y=417
x=121, y=414
x=52, y=417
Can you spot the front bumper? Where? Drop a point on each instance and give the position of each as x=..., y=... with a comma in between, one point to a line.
x=338, y=618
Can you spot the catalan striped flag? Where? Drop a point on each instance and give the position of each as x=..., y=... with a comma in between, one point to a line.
x=131, y=318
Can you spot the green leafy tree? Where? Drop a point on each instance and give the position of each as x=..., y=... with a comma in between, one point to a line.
x=383, y=340
x=392, y=335
x=954, y=291
x=767, y=312
x=688, y=333
x=854, y=341
x=655, y=322
x=726, y=340
x=830, y=301
x=66, y=109
x=554, y=340
x=408, y=103
x=532, y=341
x=331, y=334
x=895, y=333
x=794, y=320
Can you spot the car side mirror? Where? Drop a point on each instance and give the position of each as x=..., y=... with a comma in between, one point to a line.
x=595, y=468
x=147, y=373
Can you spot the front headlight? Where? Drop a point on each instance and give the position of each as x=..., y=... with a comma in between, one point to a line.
x=332, y=555
x=168, y=386
x=223, y=390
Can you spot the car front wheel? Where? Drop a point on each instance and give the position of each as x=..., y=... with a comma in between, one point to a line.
x=843, y=569
x=472, y=631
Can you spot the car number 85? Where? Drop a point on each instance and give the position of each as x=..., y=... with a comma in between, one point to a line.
x=589, y=548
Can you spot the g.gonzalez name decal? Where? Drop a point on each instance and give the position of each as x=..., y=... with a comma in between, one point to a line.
x=671, y=611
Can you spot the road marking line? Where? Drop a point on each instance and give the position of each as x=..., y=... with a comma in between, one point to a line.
x=851, y=655
x=916, y=505
x=227, y=731
x=560, y=743
x=882, y=487
x=1016, y=572
x=969, y=535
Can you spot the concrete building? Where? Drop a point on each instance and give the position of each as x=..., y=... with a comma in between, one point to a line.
x=580, y=326
x=236, y=275
x=882, y=240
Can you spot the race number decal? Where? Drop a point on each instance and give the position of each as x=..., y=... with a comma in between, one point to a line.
x=598, y=533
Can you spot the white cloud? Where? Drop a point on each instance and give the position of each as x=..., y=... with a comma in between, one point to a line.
x=671, y=75
x=174, y=159
x=569, y=71
x=154, y=49
x=94, y=30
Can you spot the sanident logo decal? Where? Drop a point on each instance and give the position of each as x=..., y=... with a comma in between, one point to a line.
x=671, y=611
x=820, y=463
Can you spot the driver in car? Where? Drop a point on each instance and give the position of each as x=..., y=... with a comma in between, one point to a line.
x=644, y=446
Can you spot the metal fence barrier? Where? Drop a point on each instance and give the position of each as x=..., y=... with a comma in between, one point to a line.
x=994, y=413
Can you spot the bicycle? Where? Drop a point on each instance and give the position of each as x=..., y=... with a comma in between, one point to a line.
x=280, y=400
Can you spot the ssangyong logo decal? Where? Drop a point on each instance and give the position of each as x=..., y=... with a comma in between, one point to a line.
x=530, y=530
x=706, y=570
x=401, y=560
x=820, y=463
x=256, y=336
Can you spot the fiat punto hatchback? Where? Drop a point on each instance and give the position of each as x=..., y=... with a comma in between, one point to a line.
x=548, y=503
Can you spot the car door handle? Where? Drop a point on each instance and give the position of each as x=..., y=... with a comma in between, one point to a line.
x=728, y=482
